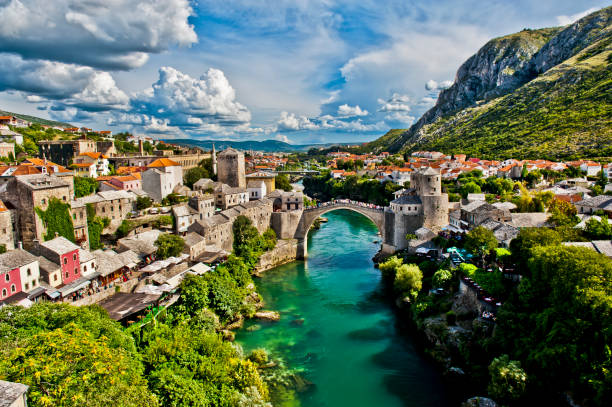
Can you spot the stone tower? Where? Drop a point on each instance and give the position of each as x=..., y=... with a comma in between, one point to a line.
x=423, y=205
x=230, y=168
x=214, y=159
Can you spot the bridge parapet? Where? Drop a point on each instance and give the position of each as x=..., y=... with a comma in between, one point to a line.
x=373, y=212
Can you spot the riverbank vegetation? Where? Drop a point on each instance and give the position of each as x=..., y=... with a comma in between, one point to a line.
x=548, y=341
x=78, y=356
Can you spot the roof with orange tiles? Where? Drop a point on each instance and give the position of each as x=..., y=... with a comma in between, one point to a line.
x=94, y=155
x=163, y=162
x=6, y=117
x=127, y=178
x=104, y=178
x=3, y=207
x=82, y=165
x=14, y=170
x=130, y=170
x=51, y=166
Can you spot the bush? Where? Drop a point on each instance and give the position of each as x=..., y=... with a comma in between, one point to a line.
x=389, y=267
x=468, y=269
x=408, y=280
x=143, y=202
x=168, y=246
x=508, y=379
x=442, y=278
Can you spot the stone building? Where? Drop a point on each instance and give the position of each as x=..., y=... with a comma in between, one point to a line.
x=27, y=192
x=64, y=151
x=231, y=168
x=256, y=189
x=161, y=178
x=226, y=196
x=203, y=204
x=114, y=205
x=7, y=231
x=422, y=206
x=50, y=272
x=268, y=178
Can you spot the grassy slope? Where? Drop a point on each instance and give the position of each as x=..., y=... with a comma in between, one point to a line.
x=564, y=113
x=35, y=119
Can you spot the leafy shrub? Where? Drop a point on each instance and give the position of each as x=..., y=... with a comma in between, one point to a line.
x=408, y=280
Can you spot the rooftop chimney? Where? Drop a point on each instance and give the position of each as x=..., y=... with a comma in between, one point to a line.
x=20, y=245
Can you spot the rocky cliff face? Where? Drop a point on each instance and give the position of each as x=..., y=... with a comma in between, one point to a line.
x=504, y=64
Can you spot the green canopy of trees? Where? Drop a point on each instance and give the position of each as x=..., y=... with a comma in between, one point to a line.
x=84, y=186
x=169, y=245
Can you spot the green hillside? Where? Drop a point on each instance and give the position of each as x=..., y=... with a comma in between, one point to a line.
x=565, y=113
x=535, y=94
x=35, y=119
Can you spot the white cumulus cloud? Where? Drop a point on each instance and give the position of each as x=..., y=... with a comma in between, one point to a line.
x=107, y=34
x=181, y=98
x=396, y=103
x=434, y=86
x=292, y=122
x=351, y=111
x=74, y=85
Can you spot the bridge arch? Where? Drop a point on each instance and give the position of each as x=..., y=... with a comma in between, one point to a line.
x=375, y=214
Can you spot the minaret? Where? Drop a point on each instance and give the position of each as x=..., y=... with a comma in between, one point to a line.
x=214, y=160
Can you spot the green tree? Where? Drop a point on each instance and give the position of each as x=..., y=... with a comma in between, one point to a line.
x=442, y=278
x=143, y=202
x=57, y=219
x=480, y=241
x=281, y=181
x=389, y=267
x=529, y=238
x=508, y=380
x=95, y=225
x=598, y=229
x=470, y=188
x=193, y=175
x=84, y=186
x=408, y=280
x=169, y=245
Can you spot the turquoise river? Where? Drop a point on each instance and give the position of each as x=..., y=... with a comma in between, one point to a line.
x=338, y=328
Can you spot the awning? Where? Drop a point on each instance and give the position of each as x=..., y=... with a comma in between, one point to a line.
x=74, y=287
x=53, y=294
x=37, y=292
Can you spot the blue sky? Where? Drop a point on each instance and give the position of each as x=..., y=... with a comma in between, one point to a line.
x=299, y=71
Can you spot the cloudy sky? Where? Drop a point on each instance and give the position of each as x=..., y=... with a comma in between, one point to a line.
x=302, y=71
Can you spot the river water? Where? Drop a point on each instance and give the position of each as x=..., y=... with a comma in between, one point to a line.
x=337, y=327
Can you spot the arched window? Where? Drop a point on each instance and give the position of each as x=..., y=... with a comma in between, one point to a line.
x=13, y=289
x=3, y=292
x=7, y=277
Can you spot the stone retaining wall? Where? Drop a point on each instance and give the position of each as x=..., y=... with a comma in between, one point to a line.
x=124, y=287
x=284, y=252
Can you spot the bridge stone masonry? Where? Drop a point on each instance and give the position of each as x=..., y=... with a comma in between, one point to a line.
x=375, y=213
x=422, y=206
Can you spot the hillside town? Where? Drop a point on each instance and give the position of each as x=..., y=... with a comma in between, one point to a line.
x=83, y=223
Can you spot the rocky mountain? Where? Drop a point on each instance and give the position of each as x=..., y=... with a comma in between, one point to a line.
x=543, y=92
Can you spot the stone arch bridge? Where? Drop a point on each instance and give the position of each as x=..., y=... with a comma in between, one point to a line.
x=375, y=213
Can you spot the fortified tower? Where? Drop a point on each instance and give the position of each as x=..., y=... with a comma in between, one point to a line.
x=230, y=168
x=422, y=206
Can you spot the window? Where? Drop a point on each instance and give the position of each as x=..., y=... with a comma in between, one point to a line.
x=74, y=216
x=85, y=268
x=65, y=260
x=76, y=271
x=3, y=292
x=74, y=257
x=64, y=198
x=43, y=201
x=13, y=289
x=29, y=272
x=55, y=277
x=27, y=286
x=7, y=277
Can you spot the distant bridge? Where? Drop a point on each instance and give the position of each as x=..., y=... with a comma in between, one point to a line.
x=299, y=172
x=373, y=212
